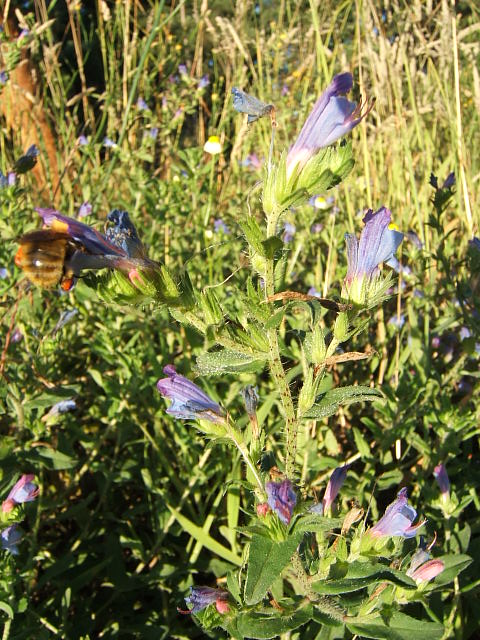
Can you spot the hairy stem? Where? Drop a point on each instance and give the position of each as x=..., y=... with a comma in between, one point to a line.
x=277, y=370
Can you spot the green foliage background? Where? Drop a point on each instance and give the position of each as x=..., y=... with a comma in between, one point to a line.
x=134, y=507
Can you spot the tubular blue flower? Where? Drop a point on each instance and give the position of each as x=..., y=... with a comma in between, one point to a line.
x=189, y=402
x=24, y=490
x=332, y=117
x=10, y=537
x=201, y=597
x=441, y=476
x=397, y=520
x=282, y=499
x=142, y=105
x=334, y=485
x=64, y=406
x=378, y=243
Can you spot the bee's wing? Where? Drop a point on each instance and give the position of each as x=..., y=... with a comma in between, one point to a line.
x=91, y=239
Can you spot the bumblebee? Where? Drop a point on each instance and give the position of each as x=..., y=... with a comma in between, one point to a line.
x=43, y=256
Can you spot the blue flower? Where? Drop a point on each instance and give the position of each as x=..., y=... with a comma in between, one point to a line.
x=204, y=81
x=397, y=520
x=8, y=180
x=10, y=537
x=109, y=143
x=142, y=105
x=441, y=476
x=182, y=69
x=64, y=406
x=289, y=232
x=334, y=485
x=281, y=499
x=82, y=140
x=188, y=402
x=3, y=77
x=219, y=225
x=84, y=210
x=378, y=243
x=332, y=117
x=201, y=597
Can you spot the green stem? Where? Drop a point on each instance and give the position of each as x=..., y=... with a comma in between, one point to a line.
x=276, y=367
x=237, y=440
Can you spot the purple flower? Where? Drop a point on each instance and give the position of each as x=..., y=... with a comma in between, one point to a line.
x=10, y=537
x=142, y=105
x=152, y=133
x=331, y=118
x=397, y=520
x=378, y=242
x=82, y=140
x=3, y=77
x=9, y=180
x=84, y=210
x=24, y=490
x=465, y=333
x=317, y=227
x=219, y=225
x=289, y=232
x=397, y=321
x=23, y=34
x=334, y=485
x=109, y=143
x=182, y=69
x=441, y=476
x=427, y=571
x=314, y=292
x=3, y=273
x=204, y=81
x=202, y=597
x=449, y=181
x=285, y=90
x=475, y=243
x=252, y=160
x=189, y=402
x=17, y=335
x=281, y=499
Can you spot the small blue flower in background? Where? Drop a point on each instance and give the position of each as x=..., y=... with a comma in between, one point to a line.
x=334, y=485
x=84, y=210
x=3, y=273
x=220, y=226
x=182, y=69
x=142, y=105
x=23, y=34
x=188, y=402
x=10, y=537
x=317, y=227
x=201, y=597
x=204, y=81
x=82, y=140
x=8, y=180
x=281, y=499
x=449, y=181
x=332, y=117
x=24, y=490
x=397, y=520
x=397, y=321
x=252, y=160
x=465, y=333
x=3, y=77
x=152, y=133
x=289, y=232
x=441, y=476
x=109, y=143
x=314, y=292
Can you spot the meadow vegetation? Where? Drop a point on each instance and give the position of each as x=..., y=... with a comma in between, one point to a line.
x=135, y=505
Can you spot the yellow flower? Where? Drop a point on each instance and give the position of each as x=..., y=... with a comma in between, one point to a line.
x=212, y=145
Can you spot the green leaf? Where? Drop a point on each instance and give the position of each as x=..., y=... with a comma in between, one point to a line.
x=361, y=443
x=234, y=586
x=6, y=608
x=253, y=234
x=202, y=536
x=328, y=404
x=398, y=627
x=454, y=564
x=58, y=459
x=361, y=575
x=316, y=524
x=256, y=625
x=226, y=361
x=266, y=561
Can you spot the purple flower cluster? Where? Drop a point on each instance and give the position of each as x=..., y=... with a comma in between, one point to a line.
x=281, y=499
x=397, y=520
